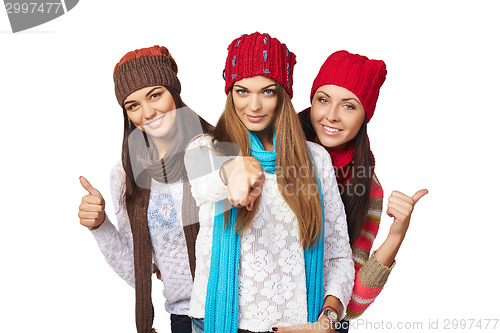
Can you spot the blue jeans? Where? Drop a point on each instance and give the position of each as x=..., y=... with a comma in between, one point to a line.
x=180, y=323
x=198, y=325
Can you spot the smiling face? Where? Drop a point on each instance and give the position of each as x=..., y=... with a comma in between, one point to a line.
x=153, y=110
x=336, y=115
x=255, y=100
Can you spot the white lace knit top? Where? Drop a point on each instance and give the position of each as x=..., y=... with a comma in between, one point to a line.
x=272, y=281
x=167, y=239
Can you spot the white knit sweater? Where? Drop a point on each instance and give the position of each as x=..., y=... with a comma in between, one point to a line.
x=272, y=281
x=167, y=239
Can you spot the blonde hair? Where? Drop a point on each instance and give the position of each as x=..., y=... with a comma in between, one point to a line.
x=292, y=158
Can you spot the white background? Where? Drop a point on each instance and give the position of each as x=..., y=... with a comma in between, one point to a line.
x=435, y=127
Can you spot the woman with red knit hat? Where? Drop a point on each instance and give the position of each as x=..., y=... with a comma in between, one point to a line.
x=343, y=99
x=278, y=254
x=156, y=213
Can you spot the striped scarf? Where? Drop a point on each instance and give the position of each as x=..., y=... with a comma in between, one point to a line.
x=221, y=307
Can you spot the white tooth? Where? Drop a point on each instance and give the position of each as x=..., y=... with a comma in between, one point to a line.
x=331, y=129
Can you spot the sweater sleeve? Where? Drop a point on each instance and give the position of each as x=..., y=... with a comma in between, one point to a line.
x=371, y=275
x=338, y=264
x=116, y=243
x=203, y=165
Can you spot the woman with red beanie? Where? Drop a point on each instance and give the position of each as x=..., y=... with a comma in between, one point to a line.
x=156, y=213
x=343, y=99
x=278, y=254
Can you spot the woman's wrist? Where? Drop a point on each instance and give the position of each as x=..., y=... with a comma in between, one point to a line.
x=333, y=304
x=395, y=240
x=330, y=313
x=387, y=252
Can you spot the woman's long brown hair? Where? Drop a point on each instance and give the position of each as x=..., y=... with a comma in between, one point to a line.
x=356, y=204
x=295, y=169
x=136, y=199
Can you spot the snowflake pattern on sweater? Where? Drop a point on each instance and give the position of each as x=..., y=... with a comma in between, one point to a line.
x=167, y=240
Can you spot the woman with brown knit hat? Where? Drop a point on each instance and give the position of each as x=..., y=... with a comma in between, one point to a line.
x=156, y=213
x=343, y=99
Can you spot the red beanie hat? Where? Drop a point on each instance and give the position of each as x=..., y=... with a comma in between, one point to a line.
x=150, y=66
x=259, y=54
x=358, y=74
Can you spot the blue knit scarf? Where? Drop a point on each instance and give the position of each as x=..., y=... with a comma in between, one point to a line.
x=221, y=308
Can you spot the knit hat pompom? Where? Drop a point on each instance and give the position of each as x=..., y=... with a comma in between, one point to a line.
x=358, y=74
x=151, y=66
x=259, y=54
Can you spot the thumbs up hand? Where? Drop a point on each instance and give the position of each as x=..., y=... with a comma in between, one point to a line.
x=91, y=211
x=400, y=207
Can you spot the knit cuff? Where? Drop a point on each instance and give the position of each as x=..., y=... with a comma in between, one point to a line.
x=374, y=274
x=104, y=230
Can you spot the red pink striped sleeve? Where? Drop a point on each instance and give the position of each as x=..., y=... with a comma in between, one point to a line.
x=371, y=275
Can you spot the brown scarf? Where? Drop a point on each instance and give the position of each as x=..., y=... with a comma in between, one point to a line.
x=170, y=168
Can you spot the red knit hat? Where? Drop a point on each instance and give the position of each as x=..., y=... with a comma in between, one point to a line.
x=259, y=54
x=358, y=74
x=150, y=66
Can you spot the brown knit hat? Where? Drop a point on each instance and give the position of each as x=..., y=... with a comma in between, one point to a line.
x=151, y=66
